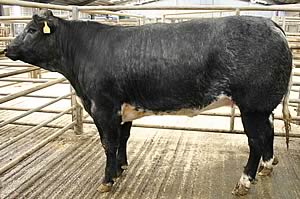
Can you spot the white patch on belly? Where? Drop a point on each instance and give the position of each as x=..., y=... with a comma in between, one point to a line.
x=130, y=113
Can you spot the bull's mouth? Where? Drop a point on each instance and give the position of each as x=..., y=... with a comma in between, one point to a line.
x=10, y=55
x=13, y=57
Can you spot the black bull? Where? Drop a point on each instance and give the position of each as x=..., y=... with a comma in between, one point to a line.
x=123, y=73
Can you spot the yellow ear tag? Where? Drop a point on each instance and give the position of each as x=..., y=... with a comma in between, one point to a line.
x=46, y=29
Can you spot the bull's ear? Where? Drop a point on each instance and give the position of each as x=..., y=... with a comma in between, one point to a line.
x=46, y=24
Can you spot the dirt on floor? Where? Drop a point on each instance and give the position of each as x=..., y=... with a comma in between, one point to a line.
x=162, y=164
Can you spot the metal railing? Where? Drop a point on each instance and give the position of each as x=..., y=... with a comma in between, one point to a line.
x=76, y=110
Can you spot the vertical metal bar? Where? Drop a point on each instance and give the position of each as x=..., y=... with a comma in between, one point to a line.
x=12, y=28
x=77, y=112
x=75, y=13
x=232, y=117
x=35, y=74
x=298, y=108
x=39, y=73
x=283, y=22
x=141, y=21
x=238, y=12
x=163, y=19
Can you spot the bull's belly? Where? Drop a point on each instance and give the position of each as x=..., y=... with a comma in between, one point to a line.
x=129, y=112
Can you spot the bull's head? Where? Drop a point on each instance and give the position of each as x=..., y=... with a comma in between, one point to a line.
x=36, y=44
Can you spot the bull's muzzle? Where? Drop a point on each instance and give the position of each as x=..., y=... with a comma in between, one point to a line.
x=11, y=52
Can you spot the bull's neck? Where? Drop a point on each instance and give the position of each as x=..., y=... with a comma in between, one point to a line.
x=74, y=42
x=69, y=43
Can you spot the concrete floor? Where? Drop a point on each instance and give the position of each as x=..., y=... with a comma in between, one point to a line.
x=163, y=164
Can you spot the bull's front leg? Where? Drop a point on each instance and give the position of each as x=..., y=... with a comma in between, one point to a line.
x=109, y=129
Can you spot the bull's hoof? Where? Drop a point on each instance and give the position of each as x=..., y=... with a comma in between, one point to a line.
x=265, y=171
x=105, y=187
x=240, y=189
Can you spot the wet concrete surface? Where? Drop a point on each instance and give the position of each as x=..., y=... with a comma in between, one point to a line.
x=162, y=164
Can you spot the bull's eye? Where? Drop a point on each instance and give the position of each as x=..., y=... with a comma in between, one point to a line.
x=31, y=30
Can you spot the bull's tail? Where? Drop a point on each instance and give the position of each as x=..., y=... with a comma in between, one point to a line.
x=286, y=113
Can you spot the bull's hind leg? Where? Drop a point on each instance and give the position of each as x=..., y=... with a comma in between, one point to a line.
x=259, y=131
x=268, y=158
x=122, y=163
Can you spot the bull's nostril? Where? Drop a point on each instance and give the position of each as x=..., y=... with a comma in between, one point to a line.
x=5, y=50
